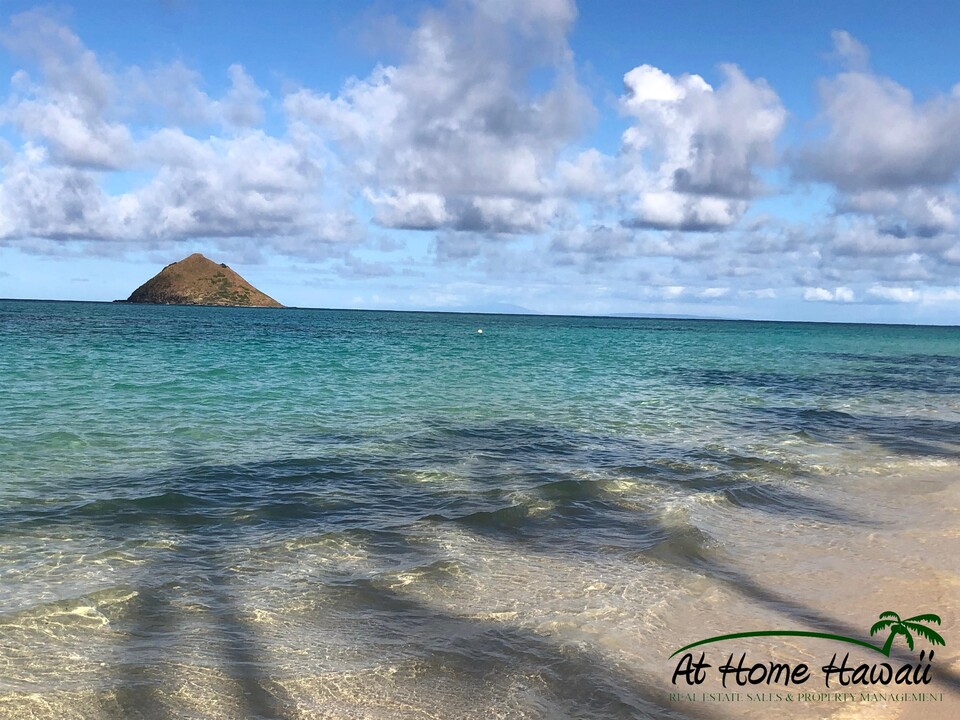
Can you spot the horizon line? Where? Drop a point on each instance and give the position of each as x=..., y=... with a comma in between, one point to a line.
x=679, y=317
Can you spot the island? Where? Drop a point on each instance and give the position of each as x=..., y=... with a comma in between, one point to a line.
x=197, y=280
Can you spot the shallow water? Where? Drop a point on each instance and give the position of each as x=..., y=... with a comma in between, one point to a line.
x=212, y=512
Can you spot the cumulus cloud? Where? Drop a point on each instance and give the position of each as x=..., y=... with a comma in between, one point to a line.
x=692, y=152
x=71, y=117
x=66, y=108
x=819, y=294
x=453, y=137
x=866, y=238
x=251, y=185
x=587, y=246
x=590, y=174
x=916, y=211
x=894, y=161
x=879, y=137
x=248, y=186
x=38, y=199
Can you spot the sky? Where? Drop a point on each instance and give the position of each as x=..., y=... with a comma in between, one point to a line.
x=790, y=161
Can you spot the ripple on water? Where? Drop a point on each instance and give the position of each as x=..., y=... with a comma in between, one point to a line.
x=375, y=515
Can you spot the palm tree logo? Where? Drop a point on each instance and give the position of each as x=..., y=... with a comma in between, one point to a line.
x=891, y=620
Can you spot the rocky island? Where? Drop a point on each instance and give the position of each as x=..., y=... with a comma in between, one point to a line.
x=197, y=280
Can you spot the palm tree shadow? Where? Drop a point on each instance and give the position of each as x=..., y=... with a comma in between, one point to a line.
x=478, y=653
x=138, y=686
x=151, y=622
x=340, y=494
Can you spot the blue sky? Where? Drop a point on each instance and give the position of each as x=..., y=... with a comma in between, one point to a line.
x=771, y=161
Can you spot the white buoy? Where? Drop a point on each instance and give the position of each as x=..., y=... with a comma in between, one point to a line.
x=480, y=331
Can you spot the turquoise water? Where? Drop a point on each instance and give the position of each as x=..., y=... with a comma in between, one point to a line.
x=219, y=512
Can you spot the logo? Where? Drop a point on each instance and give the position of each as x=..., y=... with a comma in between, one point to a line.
x=741, y=673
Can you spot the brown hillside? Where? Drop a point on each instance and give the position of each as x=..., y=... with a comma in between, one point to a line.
x=197, y=280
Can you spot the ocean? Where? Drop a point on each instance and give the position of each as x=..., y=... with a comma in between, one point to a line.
x=230, y=512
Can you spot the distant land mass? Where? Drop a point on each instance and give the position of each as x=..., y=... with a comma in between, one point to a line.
x=495, y=308
x=662, y=316
x=197, y=280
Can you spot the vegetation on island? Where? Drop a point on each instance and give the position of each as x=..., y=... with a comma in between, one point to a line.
x=197, y=280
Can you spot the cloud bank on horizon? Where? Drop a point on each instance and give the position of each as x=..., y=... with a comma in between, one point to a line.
x=474, y=146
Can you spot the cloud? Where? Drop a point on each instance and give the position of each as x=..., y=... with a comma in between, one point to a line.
x=250, y=185
x=692, y=151
x=920, y=212
x=880, y=138
x=894, y=162
x=239, y=183
x=925, y=296
x=38, y=199
x=67, y=110
x=866, y=238
x=589, y=174
x=895, y=294
x=409, y=211
x=169, y=94
x=819, y=294
x=866, y=249
x=851, y=51
x=454, y=137
x=711, y=293
x=586, y=247
x=353, y=268
x=241, y=107
x=477, y=135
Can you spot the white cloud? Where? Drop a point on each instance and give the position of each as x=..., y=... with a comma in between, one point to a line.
x=879, y=137
x=915, y=211
x=925, y=296
x=819, y=294
x=171, y=95
x=168, y=94
x=713, y=292
x=250, y=185
x=243, y=183
x=454, y=137
x=692, y=152
x=672, y=210
x=850, y=50
x=242, y=105
x=589, y=174
x=894, y=161
x=67, y=110
x=42, y=200
x=895, y=294
x=68, y=68
x=413, y=211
